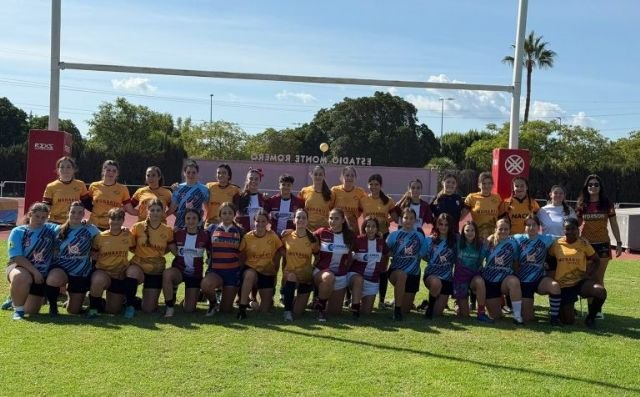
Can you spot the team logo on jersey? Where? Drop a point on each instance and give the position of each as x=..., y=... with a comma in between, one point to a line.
x=74, y=249
x=38, y=256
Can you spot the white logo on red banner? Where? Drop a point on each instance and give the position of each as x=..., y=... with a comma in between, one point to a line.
x=43, y=146
x=514, y=164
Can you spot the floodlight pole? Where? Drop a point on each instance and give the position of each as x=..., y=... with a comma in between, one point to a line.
x=54, y=86
x=517, y=75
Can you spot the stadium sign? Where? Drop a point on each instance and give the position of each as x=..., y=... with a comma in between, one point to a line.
x=308, y=159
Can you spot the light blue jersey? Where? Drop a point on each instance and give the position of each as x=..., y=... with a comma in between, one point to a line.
x=189, y=196
x=500, y=261
x=36, y=245
x=441, y=259
x=533, y=253
x=406, y=250
x=74, y=252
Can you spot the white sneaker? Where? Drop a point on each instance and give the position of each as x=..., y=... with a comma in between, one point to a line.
x=599, y=316
x=169, y=312
x=211, y=312
x=288, y=316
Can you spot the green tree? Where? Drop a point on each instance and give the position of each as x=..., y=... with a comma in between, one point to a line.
x=122, y=126
x=13, y=124
x=454, y=145
x=287, y=141
x=219, y=140
x=536, y=54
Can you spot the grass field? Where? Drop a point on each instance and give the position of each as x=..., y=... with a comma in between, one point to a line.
x=194, y=355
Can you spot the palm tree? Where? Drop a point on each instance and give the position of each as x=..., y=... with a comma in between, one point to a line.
x=537, y=54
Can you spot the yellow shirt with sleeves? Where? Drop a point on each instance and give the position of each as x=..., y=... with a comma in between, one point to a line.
x=299, y=255
x=217, y=196
x=317, y=207
x=61, y=195
x=150, y=256
x=377, y=208
x=113, y=252
x=259, y=251
x=106, y=197
x=349, y=202
x=571, y=259
x=484, y=211
x=518, y=211
x=142, y=196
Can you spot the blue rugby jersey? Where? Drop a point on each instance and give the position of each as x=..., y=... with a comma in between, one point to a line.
x=189, y=196
x=500, y=261
x=406, y=250
x=441, y=259
x=532, y=256
x=36, y=245
x=74, y=252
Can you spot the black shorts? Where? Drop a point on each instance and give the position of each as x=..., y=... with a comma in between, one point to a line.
x=264, y=281
x=78, y=284
x=412, y=285
x=152, y=281
x=569, y=295
x=494, y=290
x=529, y=289
x=190, y=281
x=304, y=288
x=447, y=286
x=603, y=250
x=117, y=286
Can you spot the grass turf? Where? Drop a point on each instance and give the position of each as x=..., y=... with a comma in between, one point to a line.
x=262, y=355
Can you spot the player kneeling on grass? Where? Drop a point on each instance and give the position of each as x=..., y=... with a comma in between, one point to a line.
x=151, y=240
x=111, y=254
x=502, y=261
x=190, y=245
x=72, y=263
x=298, y=248
x=471, y=254
x=531, y=272
x=441, y=257
x=370, y=257
x=30, y=255
x=224, y=261
x=575, y=264
x=259, y=248
x=332, y=263
x=406, y=247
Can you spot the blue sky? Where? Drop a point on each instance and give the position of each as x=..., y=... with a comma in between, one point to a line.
x=594, y=82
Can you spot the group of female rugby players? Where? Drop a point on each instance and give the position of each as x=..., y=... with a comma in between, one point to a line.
x=506, y=253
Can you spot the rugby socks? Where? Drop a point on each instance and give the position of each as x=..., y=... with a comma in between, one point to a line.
x=170, y=302
x=130, y=289
x=355, y=308
x=52, y=298
x=382, y=289
x=517, y=310
x=481, y=309
x=397, y=313
x=322, y=305
x=94, y=302
x=288, y=291
x=432, y=302
x=554, y=305
x=595, y=307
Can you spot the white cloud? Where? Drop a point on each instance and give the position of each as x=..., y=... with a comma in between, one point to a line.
x=300, y=96
x=581, y=119
x=135, y=84
x=392, y=91
x=466, y=104
x=544, y=111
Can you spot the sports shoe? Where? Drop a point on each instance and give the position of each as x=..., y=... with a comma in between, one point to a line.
x=428, y=314
x=211, y=312
x=7, y=304
x=169, y=312
x=93, y=313
x=129, y=312
x=241, y=315
x=518, y=321
x=423, y=305
x=483, y=318
x=355, y=314
x=322, y=316
x=599, y=316
x=397, y=316
x=53, y=310
x=555, y=321
x=288, y=316
x=254, y=305
x=347, y=302
x=506, y=309
x=590, y=322
x=18, y=315
x=381, y=305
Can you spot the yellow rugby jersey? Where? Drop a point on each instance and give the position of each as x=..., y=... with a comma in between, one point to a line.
x=572, y=260
x=144, y=194
x=150, y=257
x=317, y=207
x=595, y=223
x=217, y=196
x=59, y=195
x=106, y=197
x=518, y=211
x=349, y=202
x=299, y=255
x=484, y=211
x=377, y=208
x=259, y=251
x=113, y=252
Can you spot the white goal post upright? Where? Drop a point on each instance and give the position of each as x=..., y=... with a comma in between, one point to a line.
x=56, y=66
